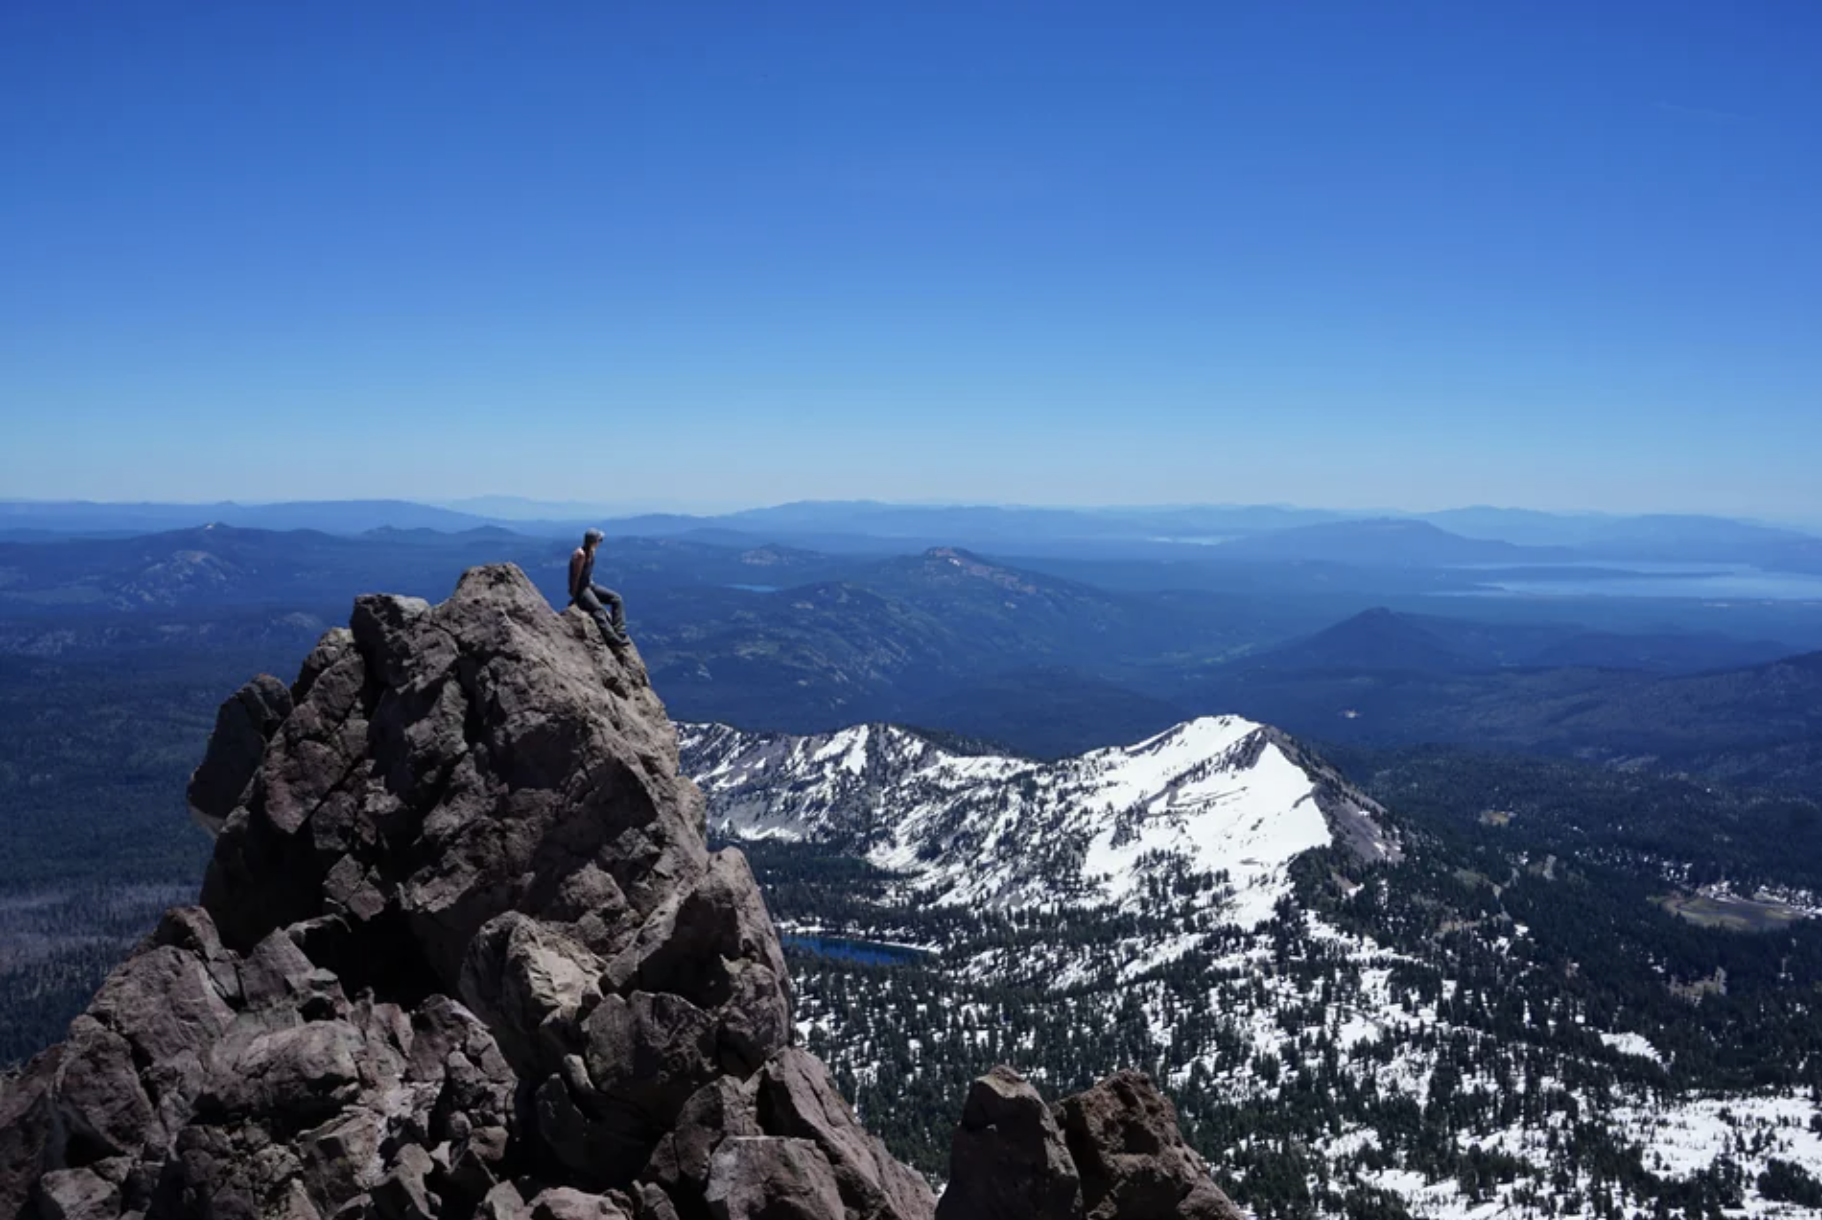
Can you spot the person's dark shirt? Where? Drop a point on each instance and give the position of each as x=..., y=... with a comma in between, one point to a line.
x=582, y=575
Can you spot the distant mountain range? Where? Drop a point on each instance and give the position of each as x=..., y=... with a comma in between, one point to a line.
x=329, y=516
x=782, y=638
x=1219, y=534
x=779, y=637
x=1386, y=540
x=1380, y=640
x=219, y=566
x=1386, y=680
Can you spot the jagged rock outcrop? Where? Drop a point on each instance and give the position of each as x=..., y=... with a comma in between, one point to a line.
x=1112, y=1152
x=1008, y=1157
x=461, y=952
x=1134, y=1162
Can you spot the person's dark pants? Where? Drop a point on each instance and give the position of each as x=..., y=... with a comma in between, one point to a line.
x=591, y=599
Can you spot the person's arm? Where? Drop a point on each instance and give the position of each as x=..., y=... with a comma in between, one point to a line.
x=575, y=573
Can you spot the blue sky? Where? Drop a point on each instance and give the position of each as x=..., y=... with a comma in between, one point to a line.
x=1351, y=254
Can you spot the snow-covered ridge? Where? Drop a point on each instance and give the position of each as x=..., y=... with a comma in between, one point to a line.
x=1220, y=797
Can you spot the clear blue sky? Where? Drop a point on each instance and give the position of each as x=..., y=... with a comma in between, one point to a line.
x=1371, y=253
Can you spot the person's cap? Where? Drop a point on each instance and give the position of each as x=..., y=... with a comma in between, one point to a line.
x=593, y=536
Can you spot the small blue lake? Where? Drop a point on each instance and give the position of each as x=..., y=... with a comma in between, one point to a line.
x=865, y=952
x=755, y=588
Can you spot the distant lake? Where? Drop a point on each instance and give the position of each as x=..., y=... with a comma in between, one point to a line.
x=1198, y=539
x=1609, y=578
x=756, y=588
x=866, y=952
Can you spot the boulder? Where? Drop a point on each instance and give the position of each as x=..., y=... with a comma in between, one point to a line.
x=101, y=1103
x=793, y=1096
x=769, y=1178
x=78, y=1194
x=532, y=985
x=564, y=1203
x=404, y=1193
x=650, y=1052
x=279, y=974
x=718, y=1111
x=1122, y=1135
x=243, y=725
x=503, y=1202
x=299, y=1075
x=30, y=1130
x=1008, y=1160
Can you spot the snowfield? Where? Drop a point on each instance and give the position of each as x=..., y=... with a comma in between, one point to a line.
x=1196, y=830
x=1216, y=795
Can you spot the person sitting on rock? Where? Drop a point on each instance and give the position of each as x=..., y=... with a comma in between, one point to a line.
x=584, y=592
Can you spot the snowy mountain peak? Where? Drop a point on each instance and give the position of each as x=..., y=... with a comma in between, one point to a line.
x=1218, y=804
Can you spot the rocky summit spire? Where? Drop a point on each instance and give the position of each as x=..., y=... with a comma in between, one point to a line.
x=463, y=954
x=462, y=951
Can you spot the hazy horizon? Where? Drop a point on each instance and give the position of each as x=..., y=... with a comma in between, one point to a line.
x=508, y=508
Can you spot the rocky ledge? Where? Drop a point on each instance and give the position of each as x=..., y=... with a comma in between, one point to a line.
x=462, y=951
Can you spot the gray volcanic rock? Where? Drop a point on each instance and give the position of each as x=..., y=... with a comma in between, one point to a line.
x=765, y=1178
x=713, y=1114
x=242, y=727
x=564, y=1203
x=1123, y=1137
x=1008, y=1158
x=1112, y=1152
x=27, y=1128
x=771, y=1179
x=461, y=951
x=794, y=1096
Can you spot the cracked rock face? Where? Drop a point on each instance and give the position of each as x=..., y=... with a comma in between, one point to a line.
x=461, y=952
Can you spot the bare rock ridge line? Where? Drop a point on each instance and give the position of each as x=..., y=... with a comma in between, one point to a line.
x=462, y=951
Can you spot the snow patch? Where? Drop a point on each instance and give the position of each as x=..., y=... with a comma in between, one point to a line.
x=1633, y=1044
